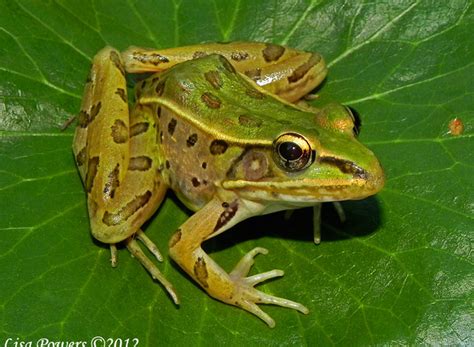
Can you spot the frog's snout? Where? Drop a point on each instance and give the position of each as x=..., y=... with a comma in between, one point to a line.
x=375, y=178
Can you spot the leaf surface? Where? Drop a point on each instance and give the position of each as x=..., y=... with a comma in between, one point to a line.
x=399, y=271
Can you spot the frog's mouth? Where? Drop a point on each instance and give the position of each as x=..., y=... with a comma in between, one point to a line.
x=306, y=191
x=358, y=184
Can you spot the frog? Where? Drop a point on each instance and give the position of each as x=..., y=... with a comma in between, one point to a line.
x=222, y=126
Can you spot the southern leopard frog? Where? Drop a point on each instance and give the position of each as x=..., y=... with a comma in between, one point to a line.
x=216, y=124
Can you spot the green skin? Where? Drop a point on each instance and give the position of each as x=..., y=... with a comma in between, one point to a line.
x=228, y=148
x=342, y=168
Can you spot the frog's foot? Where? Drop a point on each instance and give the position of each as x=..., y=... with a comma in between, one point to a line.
x=137, y=252
x=247, y=297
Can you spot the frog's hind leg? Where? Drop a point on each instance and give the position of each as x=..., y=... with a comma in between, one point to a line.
x=116, y=155
x=283, y=71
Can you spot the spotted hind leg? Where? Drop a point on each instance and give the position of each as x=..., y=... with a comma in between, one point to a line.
x=116, y=155
x=283, y=71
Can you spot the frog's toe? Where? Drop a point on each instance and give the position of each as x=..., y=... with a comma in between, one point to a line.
x=149, y=244
x=255, y=279
x=254, y=309
x=137, y=252
x=247, y=297
x=113, y=255
x=243, y=266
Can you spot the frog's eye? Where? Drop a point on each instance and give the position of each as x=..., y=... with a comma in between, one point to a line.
x=292, y=152
x=355, y=119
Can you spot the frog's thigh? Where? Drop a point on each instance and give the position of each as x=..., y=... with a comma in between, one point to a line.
x=112, y=152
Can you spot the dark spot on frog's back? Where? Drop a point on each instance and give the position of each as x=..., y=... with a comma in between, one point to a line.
x=139, y=128
x=160, y=87
x=211, y=100
x=218, y=147
x=200, y=271
x=272, y=52
x=191, y=141
x=195, y=182
x=172, y=126
x=214, y=79
x=249, y=121
x=119, y=131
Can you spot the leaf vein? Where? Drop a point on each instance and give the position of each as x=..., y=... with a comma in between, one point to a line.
x=372, y=38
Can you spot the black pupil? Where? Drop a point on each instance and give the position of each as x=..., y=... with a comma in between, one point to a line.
x=290, y=151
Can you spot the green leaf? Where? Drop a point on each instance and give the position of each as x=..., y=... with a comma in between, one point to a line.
x=399, y=271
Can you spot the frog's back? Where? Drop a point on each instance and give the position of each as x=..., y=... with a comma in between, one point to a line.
x=207, y=117
x=212, y=95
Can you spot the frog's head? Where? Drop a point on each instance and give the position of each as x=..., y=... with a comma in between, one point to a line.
x=319, y=159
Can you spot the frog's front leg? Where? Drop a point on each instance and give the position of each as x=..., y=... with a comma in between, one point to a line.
x=234, y=288
x=115, y=153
